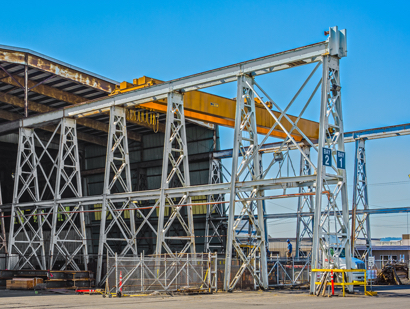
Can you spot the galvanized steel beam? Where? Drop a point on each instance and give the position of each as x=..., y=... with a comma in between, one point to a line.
x=264, y=65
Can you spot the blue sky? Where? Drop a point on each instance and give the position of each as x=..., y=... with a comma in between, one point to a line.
x=170, y=39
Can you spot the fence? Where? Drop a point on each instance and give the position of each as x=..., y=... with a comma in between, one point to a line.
x=288, y=272
x=144, y=274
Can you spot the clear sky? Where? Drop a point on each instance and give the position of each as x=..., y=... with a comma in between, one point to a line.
x=169, y=39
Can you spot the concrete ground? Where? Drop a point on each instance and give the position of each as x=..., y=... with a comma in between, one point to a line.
x=388, y=297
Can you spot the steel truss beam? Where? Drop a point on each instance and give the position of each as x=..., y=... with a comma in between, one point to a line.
x=360, y=222
x=175, y=154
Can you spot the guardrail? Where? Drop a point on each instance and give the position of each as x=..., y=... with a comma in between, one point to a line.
x=325, y=281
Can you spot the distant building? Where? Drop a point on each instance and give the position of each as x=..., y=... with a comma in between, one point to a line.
x=383, y=249
x=388, y=248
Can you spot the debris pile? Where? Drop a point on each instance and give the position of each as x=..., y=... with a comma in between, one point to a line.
x=394, y=273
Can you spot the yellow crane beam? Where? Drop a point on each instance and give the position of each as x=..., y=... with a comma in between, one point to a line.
x=219, y=110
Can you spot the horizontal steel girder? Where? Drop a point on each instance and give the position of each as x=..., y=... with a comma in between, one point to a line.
x=221, y=188
x=264, y=65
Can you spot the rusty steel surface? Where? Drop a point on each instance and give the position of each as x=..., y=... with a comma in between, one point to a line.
x=12, y=56
x=69, y=73
x=42, y=89
x=47, y=64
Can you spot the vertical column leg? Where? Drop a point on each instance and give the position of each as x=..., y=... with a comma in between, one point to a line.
x=360, y=223
x=246, y=142
x=305, y=203
x=176, y=154
x=3, y=239
x=331, y=137
x=26, y=185
x=118, y=175
x=214, y=224
x=68, y=181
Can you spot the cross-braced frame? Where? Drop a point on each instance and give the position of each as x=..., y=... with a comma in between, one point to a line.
x=175, y=157
x=304, y=224
x=215, y=213
x=118, y=179
x=60, y=175
x=360, y=222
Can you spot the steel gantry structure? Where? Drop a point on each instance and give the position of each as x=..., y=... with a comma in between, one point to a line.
x=360, y=206
x=245, y=188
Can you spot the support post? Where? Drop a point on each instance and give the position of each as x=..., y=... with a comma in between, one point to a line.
x=26, y=90
x=215, y=213
x=332, y=240
x=176, y=153
x=304, y=225
x=68, y=182
x=246, y=142
x=360, y=223
x=117, y=178
x=3, y=239
x=26, y=187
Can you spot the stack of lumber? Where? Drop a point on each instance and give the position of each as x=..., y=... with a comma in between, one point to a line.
x=23, y=283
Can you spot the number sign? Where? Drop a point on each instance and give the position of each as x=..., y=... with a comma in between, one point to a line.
x=370, y=262
x=327, y=157
x=341, y=160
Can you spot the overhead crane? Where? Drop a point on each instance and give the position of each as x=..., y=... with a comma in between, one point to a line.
x=214, y=109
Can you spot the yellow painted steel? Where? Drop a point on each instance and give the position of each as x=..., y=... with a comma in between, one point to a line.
x=219, y=110
x=343, y=283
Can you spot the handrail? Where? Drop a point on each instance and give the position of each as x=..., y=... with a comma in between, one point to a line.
x=343, y=283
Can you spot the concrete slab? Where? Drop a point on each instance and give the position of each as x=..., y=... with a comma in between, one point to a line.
x=388, y=297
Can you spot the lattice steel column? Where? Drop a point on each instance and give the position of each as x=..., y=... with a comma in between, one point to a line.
x=71, y=233
x=215, y=213
x=30, y=225
x=360, y=223
x=331, y=236
x=304, y=225
x=246, y=142
x=117, y=177
x=175, y=153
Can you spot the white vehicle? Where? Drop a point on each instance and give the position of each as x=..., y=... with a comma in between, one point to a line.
x=340, y=261
x=356, y=264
